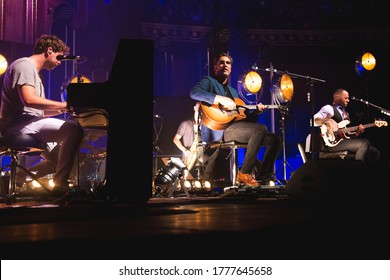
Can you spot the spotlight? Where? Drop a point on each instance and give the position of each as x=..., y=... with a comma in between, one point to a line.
x=3, y=64
x=365, y=63
x=35, y=184
x=249, y=87
x=168, y=175
x=251, y=82
x=284, y=91
x=187, y=185
x=44, y=182
x=206, y=185
x=197, y=185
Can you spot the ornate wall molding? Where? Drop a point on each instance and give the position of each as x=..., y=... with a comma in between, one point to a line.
x=175, y=33
x=195, y=34
x=314, y=37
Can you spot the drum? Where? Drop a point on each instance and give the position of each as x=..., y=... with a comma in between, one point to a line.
x=73, y=79
x=92, y=173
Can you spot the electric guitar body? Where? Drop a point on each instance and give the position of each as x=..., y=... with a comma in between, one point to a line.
x=332, y=138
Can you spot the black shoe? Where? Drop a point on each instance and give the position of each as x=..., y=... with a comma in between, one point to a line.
x=264, y=180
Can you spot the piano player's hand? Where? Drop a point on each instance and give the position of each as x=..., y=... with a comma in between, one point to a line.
x=71, y=111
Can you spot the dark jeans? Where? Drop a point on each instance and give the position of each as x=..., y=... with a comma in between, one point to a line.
x=273, y=146
x=256, y=136
x=251, y=133
x=360, y=146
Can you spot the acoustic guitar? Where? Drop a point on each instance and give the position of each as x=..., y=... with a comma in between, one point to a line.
x=217, y=117
x=332, y=138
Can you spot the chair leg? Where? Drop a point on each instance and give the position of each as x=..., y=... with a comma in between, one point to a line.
x=302, y=152
x=10, y=196
x=233, y=166
x=9, y=191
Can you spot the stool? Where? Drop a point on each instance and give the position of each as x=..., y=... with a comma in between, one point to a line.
x=233, y=160
x=14, y=146
x=340, y=155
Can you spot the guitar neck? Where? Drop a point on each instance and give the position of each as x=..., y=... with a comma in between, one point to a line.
x=354, y=128
x=252, y=107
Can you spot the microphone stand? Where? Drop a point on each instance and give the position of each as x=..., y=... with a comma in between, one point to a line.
x=311, y=81
x=272, y=70
x=285, y=162
x=383, y=110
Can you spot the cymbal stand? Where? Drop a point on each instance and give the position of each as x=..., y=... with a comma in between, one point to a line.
x=157, y=132
x=156, y=148
x=199, y=164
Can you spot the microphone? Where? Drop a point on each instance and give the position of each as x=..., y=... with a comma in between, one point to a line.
x=157, y=116
x=360, y=100
x=254, y=67
x=270, y=70
x=69, y=57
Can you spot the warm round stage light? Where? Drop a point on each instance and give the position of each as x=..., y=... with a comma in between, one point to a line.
x=365, y=64
x=286, y=87
x=3, y=64
x=252, y=82
x=368, y=61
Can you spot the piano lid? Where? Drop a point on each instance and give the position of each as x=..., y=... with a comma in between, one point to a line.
x=132, y=63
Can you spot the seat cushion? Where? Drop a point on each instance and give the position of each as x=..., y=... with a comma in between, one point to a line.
x=19, y=141
x=227, y=145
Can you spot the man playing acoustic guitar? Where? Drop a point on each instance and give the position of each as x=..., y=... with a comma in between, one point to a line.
x=332, y=117
x=239, y=126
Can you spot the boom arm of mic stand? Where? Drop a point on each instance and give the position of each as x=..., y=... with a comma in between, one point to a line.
x=383, y=110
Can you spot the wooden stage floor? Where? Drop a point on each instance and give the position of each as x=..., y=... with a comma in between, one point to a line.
x=243, y=225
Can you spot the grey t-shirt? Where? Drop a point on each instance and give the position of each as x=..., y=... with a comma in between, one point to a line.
x=21, y=72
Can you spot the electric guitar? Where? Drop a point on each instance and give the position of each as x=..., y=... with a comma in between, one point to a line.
x=217, y=117
x=332, y=138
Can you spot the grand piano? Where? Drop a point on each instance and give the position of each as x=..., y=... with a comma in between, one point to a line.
x=123, y=96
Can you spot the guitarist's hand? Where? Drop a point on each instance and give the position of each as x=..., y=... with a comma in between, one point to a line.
x=331, y=124
x=226, y=102
x=360, y=130
x=261, y=107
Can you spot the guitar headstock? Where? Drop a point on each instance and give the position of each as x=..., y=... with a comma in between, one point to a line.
x=380, y=123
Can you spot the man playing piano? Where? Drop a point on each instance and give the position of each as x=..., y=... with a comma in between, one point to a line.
x=25, y=110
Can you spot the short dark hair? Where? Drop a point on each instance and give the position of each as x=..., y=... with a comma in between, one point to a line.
x=45, y=41
x=216, y=58
x=338, y=91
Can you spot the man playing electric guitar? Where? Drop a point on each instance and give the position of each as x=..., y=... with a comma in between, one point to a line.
x=330, y=116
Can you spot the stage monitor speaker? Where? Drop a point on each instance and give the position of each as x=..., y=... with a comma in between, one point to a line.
x=337, y=180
